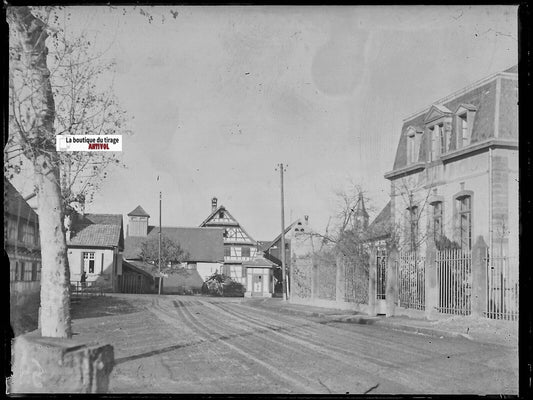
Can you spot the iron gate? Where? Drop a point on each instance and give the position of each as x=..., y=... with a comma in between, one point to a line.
x=381, y=282
x=502, y=288
x=411, y=281
x=454, y=280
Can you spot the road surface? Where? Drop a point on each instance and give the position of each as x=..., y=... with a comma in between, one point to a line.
x=190, y=344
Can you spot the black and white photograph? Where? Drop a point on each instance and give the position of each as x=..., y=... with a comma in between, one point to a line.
x=260, y=199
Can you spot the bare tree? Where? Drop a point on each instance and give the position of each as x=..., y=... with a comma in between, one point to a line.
x=55, y=88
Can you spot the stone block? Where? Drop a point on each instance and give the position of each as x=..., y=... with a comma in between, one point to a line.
x=54, y=365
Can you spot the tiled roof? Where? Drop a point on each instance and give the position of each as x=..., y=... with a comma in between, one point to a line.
x=138, y=212
x=99, y=230
x=259, y=262
x=380, y=227
x=202, y=244
x=15, y=204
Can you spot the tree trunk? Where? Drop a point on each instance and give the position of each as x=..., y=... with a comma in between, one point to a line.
x=38, y=140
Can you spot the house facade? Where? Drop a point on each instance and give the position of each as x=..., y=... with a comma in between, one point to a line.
x=455, y=174
x=203, y=248
x=95, y=244
x=22, y=245
x=239, y=246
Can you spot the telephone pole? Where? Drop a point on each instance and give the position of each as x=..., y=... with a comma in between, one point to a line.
x=159, y=289
x=283, y=271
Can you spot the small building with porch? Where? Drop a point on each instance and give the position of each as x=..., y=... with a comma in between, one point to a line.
x=95, y=244
x=259, y=277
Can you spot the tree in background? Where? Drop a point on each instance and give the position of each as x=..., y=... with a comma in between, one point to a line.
x=171, y=254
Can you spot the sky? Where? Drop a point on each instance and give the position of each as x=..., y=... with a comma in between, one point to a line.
x=221, y=95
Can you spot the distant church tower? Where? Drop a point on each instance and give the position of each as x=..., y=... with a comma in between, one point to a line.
x=138, y=222
x=360, y=214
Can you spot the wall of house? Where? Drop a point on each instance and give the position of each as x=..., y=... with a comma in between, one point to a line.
x=235, y=272
x=103, y=267
x=466, y=174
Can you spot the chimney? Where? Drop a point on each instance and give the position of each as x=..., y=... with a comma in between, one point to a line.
x=214, y=204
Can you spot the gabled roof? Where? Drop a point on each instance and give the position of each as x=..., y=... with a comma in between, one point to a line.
x=259, y=262
x=97, y=230
x=278, y=238
x=222, y=208
x=380, y=227
x=14, y=204
x=201, y=244
x=138, y=212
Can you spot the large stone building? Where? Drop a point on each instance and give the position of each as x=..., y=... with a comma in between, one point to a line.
x=455, y=175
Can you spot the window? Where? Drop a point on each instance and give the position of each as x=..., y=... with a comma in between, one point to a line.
x=13, y=269
x=463, y=129
x=227, y=251
x=434, y=142
x=221, y=214
x=27, y=276
x=411, y=148
x=437, y=220
x=35, y=271
x=245, y=252
x=12, y=229
x=464, y=208
x=28, y=234
x=88, y=262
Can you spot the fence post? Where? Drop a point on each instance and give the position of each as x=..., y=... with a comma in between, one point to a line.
x=391, y=295
x=339, y=282
x=431, y=288
x=479, y=277
x=372, y=289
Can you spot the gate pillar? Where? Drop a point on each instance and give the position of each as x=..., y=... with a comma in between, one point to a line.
x=431, y=288
x=479, y=277
x=391, y=296
x=372, y=287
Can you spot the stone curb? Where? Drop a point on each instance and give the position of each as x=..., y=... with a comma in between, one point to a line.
x=367, y=320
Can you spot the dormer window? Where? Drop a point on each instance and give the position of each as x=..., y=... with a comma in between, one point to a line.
x=413, y=144
x=465, y=120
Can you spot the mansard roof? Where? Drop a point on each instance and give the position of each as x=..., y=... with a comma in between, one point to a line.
x=480, y=97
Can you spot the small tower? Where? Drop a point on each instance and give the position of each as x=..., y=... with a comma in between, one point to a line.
x=138, y=222
x=360, y=215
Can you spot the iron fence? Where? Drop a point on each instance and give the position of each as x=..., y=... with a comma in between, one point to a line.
x=78, y=288
x=411, y=280
x=454, y=281
x=502, y=288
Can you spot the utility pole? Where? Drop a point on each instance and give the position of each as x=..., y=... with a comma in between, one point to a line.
x=159, y=289
x=283, y=271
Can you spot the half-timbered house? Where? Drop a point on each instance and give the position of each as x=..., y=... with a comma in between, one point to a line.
x=239, y=246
